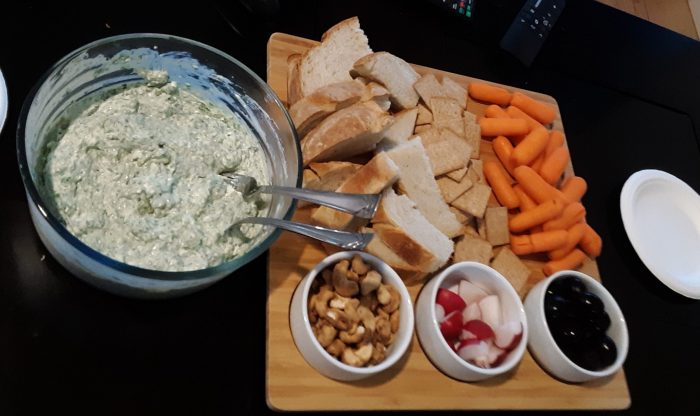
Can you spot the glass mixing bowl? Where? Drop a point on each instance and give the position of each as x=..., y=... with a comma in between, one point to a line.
x=116, y=62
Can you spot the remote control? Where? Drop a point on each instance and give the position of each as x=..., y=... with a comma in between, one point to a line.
x=528, y=32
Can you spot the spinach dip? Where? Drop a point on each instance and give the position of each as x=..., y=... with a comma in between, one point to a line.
x=136, y=177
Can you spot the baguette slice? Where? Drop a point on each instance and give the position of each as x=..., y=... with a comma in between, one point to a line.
x=403, y=228
x=293, y=82
x=392, y=72
x=372, y=178
x=307, y=112
x=401, y=130
x=408, y=273
x=345, y=133
x=330, y=175
x=417, y=181
x=331, y=61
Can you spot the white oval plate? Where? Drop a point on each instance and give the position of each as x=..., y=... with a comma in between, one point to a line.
x=661, y=215
x=3, y=101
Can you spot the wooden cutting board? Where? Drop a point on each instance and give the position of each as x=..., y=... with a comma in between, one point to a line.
x=414, y=383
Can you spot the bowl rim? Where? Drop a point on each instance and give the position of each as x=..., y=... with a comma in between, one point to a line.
x=518, y=351
x=36, y=199
x=400, y=344
x=609, y=302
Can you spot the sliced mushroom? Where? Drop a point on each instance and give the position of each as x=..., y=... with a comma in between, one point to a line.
x=371, y=282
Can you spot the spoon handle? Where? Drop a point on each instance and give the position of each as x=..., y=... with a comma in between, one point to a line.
x=343, y=239
x=359, y=205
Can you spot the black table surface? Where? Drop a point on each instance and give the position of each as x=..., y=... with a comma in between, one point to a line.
x=629, y=93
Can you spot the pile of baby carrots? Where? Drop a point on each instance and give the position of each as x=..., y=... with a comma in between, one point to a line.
x=546, y=213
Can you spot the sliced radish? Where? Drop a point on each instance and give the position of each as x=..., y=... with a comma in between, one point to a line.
x=496, y=355
x=454, y=288
x=475, y=351
x=491, y=310
x=450, y=301
x=439, y=313
x=508, y=335
x=451, y=326
x=471, y=312
x=479, y=328
x=470, y=292
x=467, y=335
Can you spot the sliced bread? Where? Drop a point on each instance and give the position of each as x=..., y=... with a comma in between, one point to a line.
x=372, y=178
x=401, y=130
x=417, y=181
x=394, y=73
x=293, y=83
x=345, y=133
x=403, y=228
x=331, y=61
x=408, y=273
x=330, y=175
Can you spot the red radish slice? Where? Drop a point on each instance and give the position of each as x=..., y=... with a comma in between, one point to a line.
x=470, y=292
x=451, y=327
x=439, y=313
x=467, y=335
x=491, y=310
x=508, y=335
x=475, y=351
x=454, y=288
x=479, y=328
x=450, y=301
x=496, y=355
x=471, y=312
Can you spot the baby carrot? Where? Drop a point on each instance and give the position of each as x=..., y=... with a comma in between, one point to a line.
x=573, y=213
x=502, y=126
x=537, y=242
x=531, y=147
x=533, y=184
x=574, y=188
x=544, y=113
x=536, y=165
x=591, y=242
x=489, y=93
x=538, y=215
x=503, y=149
x=569, y=262
x=515, y=112
x=498, y=179
x=554, y=165
x=526, y=203
x=495, y=111
x=556, y=140
x=574, y=235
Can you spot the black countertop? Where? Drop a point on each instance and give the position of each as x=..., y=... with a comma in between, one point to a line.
x=629, y=93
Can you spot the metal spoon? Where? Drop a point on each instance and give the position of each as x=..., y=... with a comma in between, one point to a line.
x=359, y=205
x=343, y=239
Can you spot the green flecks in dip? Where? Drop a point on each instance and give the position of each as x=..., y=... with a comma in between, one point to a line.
x=136, y=177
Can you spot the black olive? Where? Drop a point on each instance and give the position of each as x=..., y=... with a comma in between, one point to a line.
x=590, y=304
x=567, y=331
x=556, y=307
x=596, y=354
x=600, y=322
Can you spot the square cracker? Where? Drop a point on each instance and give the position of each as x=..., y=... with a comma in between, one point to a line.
x=512, y=268
x=469, y=117
x=496, y=220
x=461, y=216
x=472, y=134
x=444, y=109
x=454, y=124
x=470, y=248
x=443, y=157
x=475, y=200
x=422, y=128
x=459, y=146
x=457, y=175
x=451, y=190
x=424, y=115
x=428, y=87
x=455, y=91
x=430, y=136
x=476, y=171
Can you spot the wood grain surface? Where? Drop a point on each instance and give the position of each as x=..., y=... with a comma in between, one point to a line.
x=414, y=383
